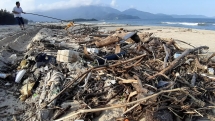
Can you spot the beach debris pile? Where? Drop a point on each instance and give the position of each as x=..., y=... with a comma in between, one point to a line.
x=117, y=75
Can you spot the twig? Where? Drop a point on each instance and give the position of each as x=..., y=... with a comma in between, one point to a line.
x=166, y=57
x=127, y=81
x=14, y=118
x=131, y=108
x=131, y=95
x=172, y=42
x=126, y=67
x=146, y=50
x=86, y=79
x=198, y=102
x=193, y=80
x=61, y=112
x=81, y=77
x=186, y=43
x=151, y=49
x=175, y=113
x=198, y=113
x=118, y=63
x=119, y=105
x=139, y=87
x=210, y=57
x=200, y=66
x=176, y=61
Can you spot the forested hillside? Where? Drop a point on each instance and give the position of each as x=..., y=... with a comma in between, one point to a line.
x=7, y=18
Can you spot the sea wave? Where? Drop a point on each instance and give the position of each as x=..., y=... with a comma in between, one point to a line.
x=185, y=23
x=93, y=22
x=102, y=23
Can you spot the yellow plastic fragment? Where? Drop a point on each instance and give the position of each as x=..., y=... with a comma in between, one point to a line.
x=26, y=91
x=23, y=64
x=69, y=25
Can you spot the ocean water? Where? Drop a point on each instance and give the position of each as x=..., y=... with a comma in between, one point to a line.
x=194, y=23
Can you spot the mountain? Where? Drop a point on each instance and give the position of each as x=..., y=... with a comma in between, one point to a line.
x=101, y=13
x=114, y=16
x=85, y=12
x=144, y=15
x=189, y=16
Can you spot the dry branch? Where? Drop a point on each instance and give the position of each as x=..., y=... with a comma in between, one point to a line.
x=166, y=57
x=119, y=105
x=176, y=61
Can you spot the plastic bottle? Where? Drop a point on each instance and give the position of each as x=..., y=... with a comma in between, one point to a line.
x=20, y=75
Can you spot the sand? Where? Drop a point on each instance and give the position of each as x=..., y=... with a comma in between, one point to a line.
x=13, y=40
x=195, y=37
x=8, y=30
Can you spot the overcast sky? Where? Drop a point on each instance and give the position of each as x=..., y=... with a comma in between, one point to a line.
x=198, y=7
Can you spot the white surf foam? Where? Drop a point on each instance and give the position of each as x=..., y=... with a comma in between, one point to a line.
x=102, y=23
x=184, y=23
x=169, y=22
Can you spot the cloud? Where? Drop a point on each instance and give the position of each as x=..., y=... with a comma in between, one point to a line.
x=27, y=5
x=30, y=5
x=7, y=4
x=66, y=4
x=113, y=3
x=131, y=6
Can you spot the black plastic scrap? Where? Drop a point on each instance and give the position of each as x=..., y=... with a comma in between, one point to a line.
x=132, y=35
x=110, y=57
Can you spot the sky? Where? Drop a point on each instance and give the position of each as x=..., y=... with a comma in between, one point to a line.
x=181, y=7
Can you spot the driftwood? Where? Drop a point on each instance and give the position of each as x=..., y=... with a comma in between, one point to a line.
x=82, y=76
x=60, y=113
x=119, y=105
x=176, y=61
x=193, y=81
x=107, y=41
x=200, y=66
x=210, y=57
x=117, y=49
x=99, y=35
x=172, y=42
x=147, y=81
x=166, y=57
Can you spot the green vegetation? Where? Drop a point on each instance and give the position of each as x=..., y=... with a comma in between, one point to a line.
x=7, y=18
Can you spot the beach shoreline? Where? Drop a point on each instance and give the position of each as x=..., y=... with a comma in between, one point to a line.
x=196, y=37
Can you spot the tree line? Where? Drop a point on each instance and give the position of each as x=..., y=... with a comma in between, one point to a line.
x=7, y=18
